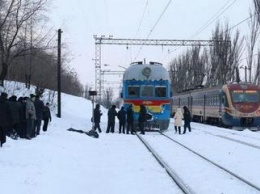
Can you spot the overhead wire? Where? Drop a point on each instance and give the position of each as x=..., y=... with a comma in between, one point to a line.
x=214, y=18
x=156, y=23
x=210, y=21
x=138, y=29
x=141, y=21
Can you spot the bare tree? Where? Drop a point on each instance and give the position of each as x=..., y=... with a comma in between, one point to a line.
x=257, y=9
x=14, y=15
x=251, y=43
x=107, y=98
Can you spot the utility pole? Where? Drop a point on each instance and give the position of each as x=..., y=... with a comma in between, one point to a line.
x=59, y=73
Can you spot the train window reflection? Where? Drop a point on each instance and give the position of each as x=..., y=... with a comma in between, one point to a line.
x=160, y=91
x=245, y=96
x=133, y=91
x=147, y=91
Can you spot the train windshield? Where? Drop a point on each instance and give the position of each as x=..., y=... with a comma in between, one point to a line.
x=160, y=91
x=245, y=96
x=147, y=91
x=133, y=91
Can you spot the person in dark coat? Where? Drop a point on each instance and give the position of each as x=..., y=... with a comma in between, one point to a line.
x=187, y=119
x=22, y=101
x=5, y=117
x=142, y=118
x=130, y=120
x=121, y=115
x=15, y=107
x=111, y=119
x=39, y=106
x=46, y=117
x=97, y=116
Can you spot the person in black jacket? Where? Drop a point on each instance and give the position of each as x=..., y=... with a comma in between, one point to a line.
x=142, y=118
x=39, y=106
x=111, y=119
x=97, y=116
x=187, y=118
x=130, y=120
x=121, y=115
x=5, y=117
x=46, y=117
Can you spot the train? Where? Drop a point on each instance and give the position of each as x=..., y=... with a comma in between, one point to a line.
x=233, y=105
x=148, y=84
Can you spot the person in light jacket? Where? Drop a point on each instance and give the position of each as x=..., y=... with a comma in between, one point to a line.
x=178, y=120
x=30, y=115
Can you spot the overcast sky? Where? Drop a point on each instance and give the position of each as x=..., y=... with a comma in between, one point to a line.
x=81, y=19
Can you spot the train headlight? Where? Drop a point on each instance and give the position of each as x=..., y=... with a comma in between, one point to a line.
x=146, y=71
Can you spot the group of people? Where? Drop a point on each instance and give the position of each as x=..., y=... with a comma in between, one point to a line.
x=22, y=117
x=125, y=117
x=179, y=116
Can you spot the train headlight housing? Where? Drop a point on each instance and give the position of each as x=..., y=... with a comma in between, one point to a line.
x=146, y=71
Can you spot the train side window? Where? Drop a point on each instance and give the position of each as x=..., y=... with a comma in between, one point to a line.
x=133, y=91
x=160, y=91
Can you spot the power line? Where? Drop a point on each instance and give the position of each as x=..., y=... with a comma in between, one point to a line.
x=213, y=18
x=145, y=8
x=210, y=21
x=166, y=7
x=242, y=21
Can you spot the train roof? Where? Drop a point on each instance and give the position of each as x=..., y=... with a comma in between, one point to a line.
x=232, y=86
x=242, y=85
x=151, y=71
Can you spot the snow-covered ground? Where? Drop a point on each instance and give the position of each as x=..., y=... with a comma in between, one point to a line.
x=64, y=162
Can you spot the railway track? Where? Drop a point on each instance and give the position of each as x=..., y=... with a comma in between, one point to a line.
x=244, y=142
x=197, y=162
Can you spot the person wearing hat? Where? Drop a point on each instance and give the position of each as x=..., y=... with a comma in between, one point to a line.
x=187, y=119
x=130, y=120
x=97, y=116
x=111, y=114
x=30, y=115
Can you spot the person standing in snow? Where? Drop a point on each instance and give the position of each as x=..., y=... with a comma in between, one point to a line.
x=5, y=117
x=39, y=106
x=30, y=116
x=97, y=116
x=187, y=118
x=130, y=120
x=121, y=115
x=178, y=120
x=46, y=117
x=111, y=119
x=142, y=118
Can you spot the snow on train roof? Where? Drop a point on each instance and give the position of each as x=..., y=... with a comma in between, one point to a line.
x=146, y=72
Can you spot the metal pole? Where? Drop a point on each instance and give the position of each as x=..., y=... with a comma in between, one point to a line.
x=59, y=73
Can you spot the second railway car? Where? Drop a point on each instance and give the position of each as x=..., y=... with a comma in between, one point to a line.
x=231, y=105
x=150, y=85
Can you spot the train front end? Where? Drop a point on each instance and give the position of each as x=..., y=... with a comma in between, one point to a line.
x=148, y=84
x=242, y=105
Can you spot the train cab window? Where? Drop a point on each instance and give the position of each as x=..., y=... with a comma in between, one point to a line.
x=133, y=91
x=245, y=96
x=147, y=91
x=160, y=91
